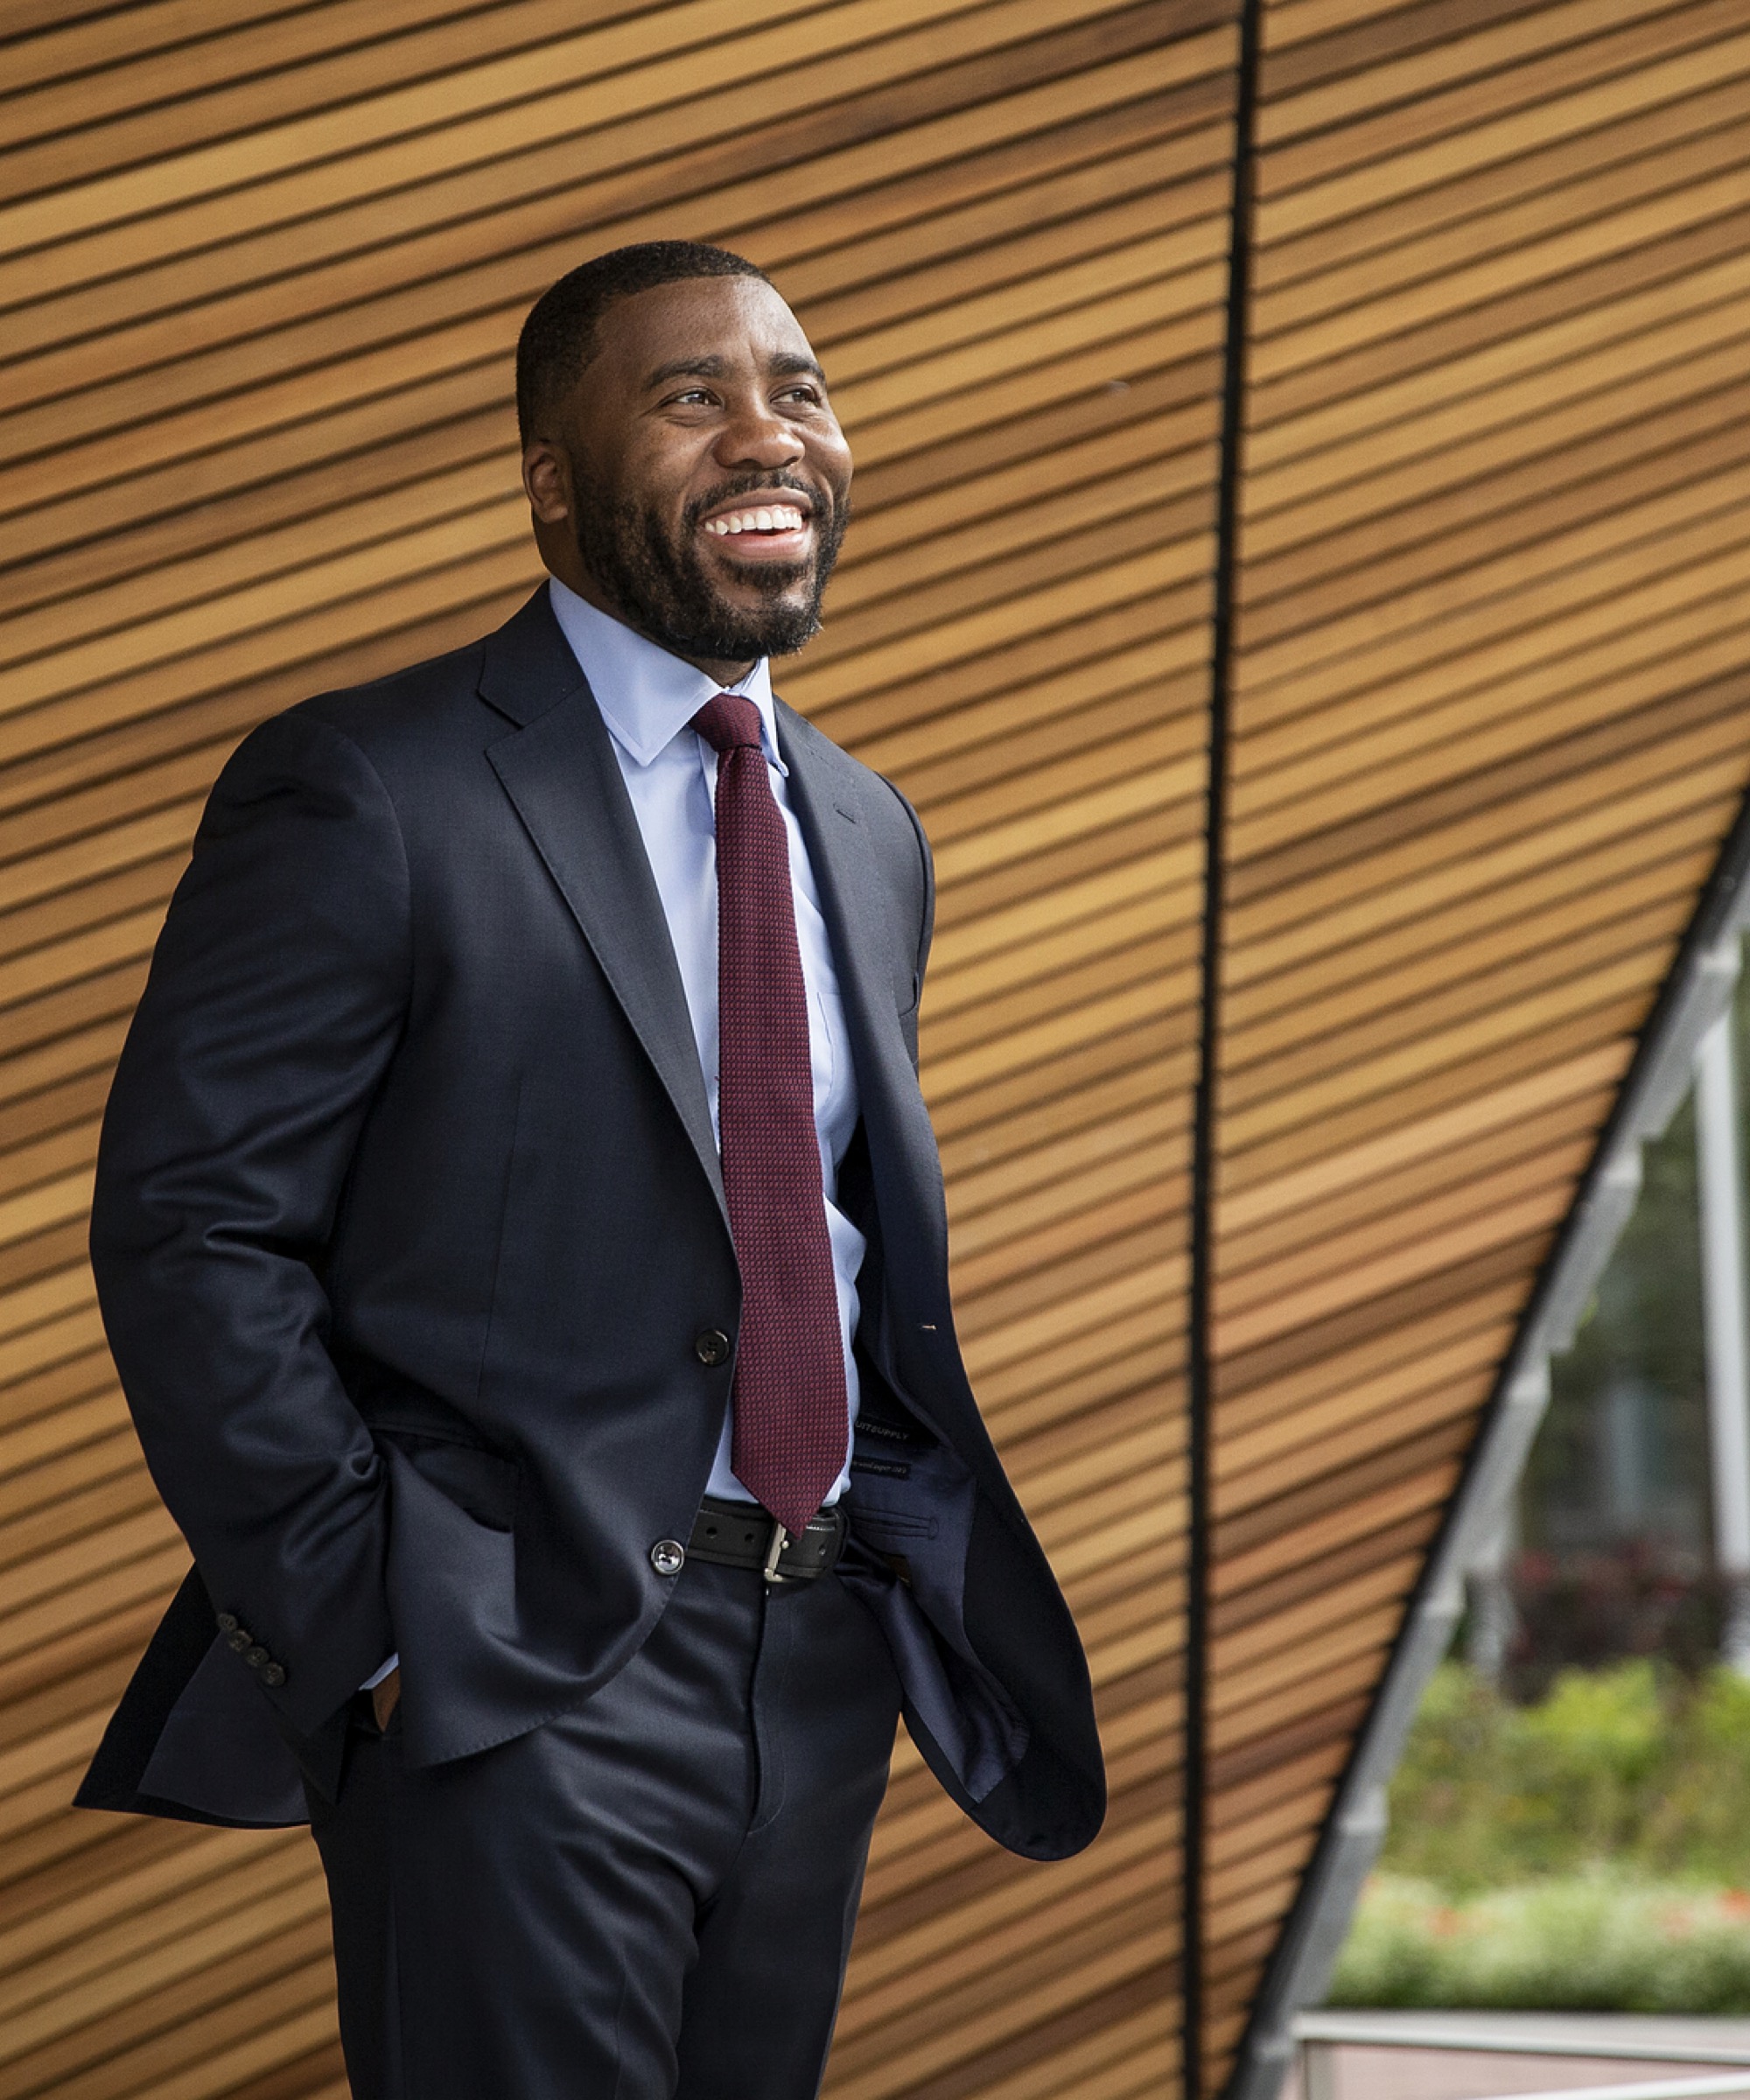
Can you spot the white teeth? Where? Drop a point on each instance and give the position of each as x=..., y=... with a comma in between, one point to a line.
x=782, y=518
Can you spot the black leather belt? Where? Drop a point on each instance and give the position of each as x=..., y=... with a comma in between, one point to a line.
x=742, y=1535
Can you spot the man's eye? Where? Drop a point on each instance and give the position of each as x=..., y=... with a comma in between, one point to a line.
x=810, y=395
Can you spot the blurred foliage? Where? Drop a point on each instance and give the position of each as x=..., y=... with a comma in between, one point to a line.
x=1590, y=1851
x=1599, y=1942
x=1635, y=1764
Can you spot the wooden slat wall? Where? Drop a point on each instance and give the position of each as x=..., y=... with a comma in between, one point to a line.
x=1488, y=724
x=263, y=267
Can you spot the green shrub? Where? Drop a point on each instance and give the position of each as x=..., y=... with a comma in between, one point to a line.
x=1594, y=1942
x=1698, y=1822
x=1629, y=1765
x=1588, y=1853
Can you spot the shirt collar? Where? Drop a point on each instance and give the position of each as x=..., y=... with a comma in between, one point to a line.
x=646, y=696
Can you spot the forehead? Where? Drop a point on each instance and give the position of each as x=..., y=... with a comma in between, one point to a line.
x=738, y=320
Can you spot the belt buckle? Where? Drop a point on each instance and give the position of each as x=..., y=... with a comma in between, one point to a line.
x=781, y=1538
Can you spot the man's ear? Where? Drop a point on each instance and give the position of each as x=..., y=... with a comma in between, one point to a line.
x=546, y=477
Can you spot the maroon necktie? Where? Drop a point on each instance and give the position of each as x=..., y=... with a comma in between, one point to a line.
x=790, y=1395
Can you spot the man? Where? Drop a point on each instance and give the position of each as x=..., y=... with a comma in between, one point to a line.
x=521, y=1239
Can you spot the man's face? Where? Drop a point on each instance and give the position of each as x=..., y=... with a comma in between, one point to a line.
x=698, y=488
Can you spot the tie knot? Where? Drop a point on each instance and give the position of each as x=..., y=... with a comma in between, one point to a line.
x=729, y=722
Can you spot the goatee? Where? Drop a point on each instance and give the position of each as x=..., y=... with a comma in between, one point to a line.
x=659, y=583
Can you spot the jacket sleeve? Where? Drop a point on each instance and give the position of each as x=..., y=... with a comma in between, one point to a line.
x=274, y=1002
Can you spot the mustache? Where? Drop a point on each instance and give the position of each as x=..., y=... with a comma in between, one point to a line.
x=821, y=503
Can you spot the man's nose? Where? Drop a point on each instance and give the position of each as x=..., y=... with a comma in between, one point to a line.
x=755, y=436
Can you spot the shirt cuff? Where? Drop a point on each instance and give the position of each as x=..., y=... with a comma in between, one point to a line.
x=371, y=1684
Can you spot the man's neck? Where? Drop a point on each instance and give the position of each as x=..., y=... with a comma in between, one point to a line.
x=585, y=587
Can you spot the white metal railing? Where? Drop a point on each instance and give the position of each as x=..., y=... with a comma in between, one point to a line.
x=1646, y=2088
x=1321, y=2034
x=1318, y=2082
x=1624, y=2039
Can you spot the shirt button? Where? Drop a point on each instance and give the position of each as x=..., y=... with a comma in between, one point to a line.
x=711, y=1345
x=667, y=1557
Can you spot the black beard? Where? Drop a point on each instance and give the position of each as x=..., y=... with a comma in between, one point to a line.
x=659, y=584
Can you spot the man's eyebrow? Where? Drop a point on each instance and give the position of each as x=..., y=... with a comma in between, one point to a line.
x=787, y=364
x=687, y=367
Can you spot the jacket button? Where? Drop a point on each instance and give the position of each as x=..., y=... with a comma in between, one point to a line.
x=274, y=1675
x=711, y=1345
x=239, y=1638
x=255, y=1657
x=228, y=1622
x=667, y=1557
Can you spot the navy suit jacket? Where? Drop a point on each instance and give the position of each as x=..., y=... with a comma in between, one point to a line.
x=409, y=1223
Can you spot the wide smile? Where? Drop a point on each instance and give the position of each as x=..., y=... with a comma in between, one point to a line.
x=777, y=529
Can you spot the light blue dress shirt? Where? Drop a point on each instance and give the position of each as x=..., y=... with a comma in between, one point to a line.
x=647, y=699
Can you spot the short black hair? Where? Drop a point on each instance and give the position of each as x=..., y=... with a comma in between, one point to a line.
x=562, y=332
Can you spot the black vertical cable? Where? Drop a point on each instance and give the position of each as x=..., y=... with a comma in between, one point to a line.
x=1203, y=1132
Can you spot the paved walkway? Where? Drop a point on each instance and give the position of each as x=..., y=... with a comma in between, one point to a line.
x=1474, y=2056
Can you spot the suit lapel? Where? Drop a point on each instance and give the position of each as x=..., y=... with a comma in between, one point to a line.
x=560, y=772
x=856, y=905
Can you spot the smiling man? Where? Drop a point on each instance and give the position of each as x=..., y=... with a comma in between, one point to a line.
x=521, y=1237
